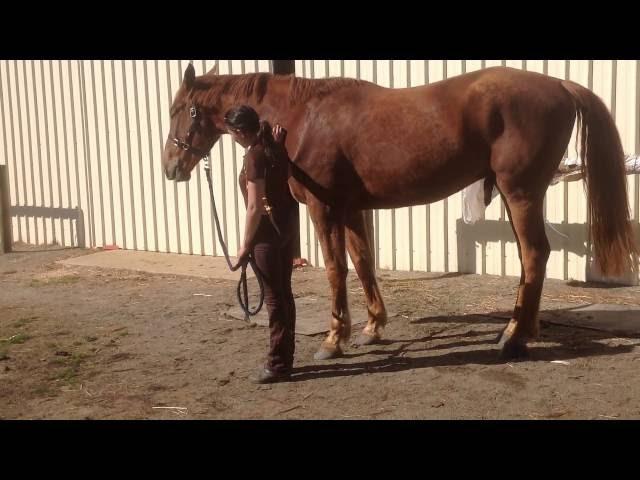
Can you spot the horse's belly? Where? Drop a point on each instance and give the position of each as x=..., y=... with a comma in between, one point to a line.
x=421, y=180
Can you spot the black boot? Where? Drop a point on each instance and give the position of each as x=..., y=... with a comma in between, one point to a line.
x=271, y=376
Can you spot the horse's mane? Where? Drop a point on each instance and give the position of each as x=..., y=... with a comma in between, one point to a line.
x=304, y=89
x=209, y=88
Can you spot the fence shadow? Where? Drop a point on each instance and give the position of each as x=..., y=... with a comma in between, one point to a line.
x=75, y=215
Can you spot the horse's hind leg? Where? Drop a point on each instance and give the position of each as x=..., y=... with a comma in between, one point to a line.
x=528, y=223
x=358, y=246
x=523, y=179
x=525, y=160
x=508, y=329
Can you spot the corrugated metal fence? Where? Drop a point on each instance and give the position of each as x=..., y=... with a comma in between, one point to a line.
x=434, y=237
x=82, y=141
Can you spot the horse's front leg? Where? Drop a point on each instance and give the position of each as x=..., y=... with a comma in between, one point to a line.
x=358, y=246
x=330, y=229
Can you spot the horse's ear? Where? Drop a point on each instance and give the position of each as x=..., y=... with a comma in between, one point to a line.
x=214, y=70
x=189, y=76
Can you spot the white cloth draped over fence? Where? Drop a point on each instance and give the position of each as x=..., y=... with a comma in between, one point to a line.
x=473, y=206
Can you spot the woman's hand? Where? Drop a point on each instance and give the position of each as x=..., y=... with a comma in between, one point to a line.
x=242, y=254
x=279, y=134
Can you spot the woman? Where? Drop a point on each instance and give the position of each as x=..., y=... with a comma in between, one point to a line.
x=270, y=210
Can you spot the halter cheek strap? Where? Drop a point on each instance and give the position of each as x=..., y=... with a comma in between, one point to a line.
x=193, y=128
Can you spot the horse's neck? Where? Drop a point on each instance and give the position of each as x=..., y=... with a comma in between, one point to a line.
x=273, y=107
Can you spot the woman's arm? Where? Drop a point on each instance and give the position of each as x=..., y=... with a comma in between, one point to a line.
x=255, y=192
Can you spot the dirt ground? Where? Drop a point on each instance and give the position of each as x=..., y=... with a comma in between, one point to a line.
x=87, y=343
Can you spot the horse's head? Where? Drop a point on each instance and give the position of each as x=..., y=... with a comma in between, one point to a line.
x=192, y=131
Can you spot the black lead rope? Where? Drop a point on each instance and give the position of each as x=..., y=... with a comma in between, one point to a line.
x=242, y=290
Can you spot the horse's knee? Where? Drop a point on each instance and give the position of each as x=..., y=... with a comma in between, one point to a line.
x=364, y=269
x=336, y=273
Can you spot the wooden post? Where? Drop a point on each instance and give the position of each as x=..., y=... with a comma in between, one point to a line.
x=5, y=214
x=284, y=67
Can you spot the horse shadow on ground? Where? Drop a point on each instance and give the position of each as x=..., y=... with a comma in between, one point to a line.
x=568, y=343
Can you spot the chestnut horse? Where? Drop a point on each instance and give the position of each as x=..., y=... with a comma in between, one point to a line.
x=355, y=145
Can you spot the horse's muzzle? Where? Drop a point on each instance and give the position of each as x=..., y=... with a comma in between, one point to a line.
x=175, y=173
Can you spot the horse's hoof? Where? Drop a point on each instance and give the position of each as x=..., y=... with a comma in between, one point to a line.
x=327, y=353
x=514, y=350
x=505, y=335
x=366, y=339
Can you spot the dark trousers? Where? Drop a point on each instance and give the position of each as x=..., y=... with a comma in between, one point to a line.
x=275, y=264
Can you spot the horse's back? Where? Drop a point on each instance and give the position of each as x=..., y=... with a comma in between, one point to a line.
x=428, y=142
